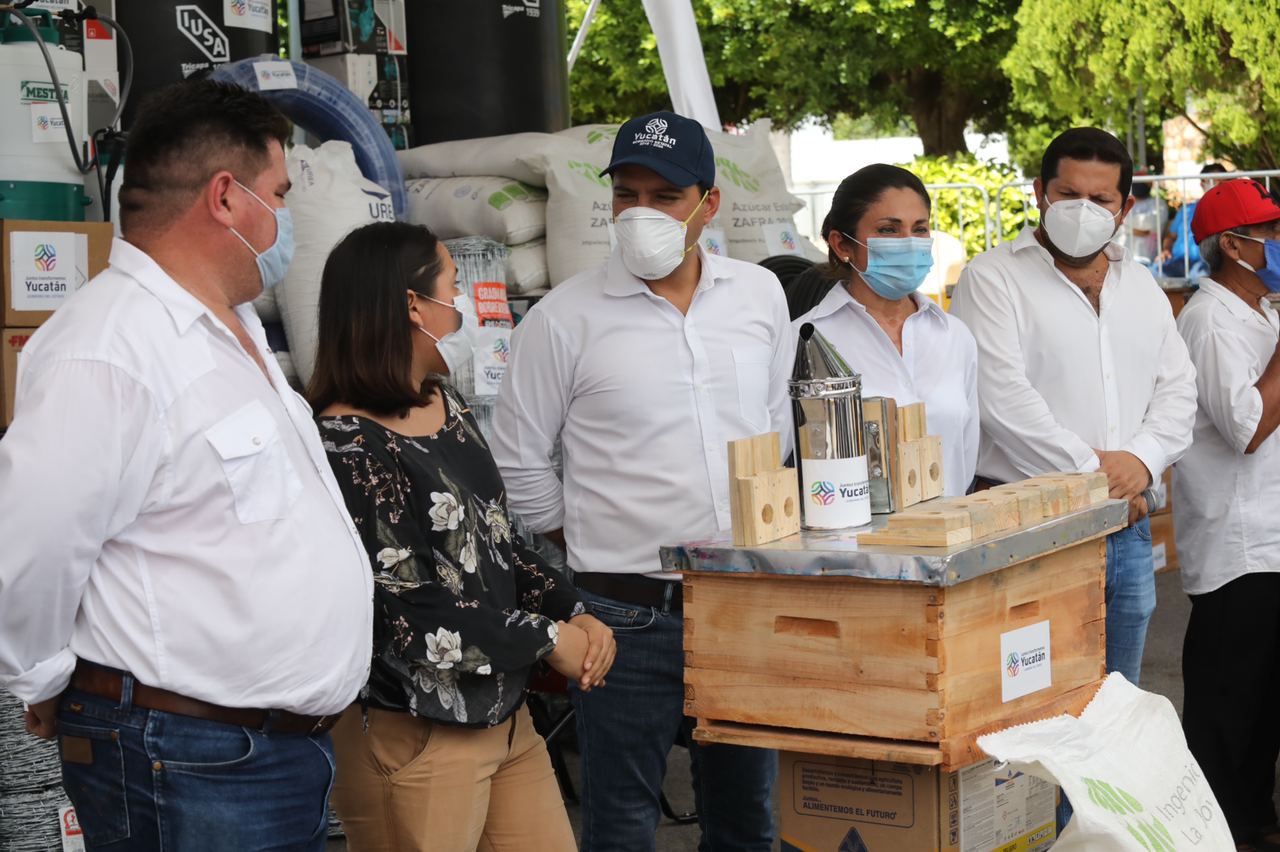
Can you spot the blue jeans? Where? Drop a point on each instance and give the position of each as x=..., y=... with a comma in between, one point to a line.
x=626, y=729
x=143, y=780
x=1131, y=598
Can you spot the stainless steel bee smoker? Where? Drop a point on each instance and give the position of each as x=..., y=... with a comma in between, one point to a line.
x=826, y=405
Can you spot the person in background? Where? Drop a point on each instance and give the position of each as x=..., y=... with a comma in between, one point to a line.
x=183, y=598
x=1080, y=366
x=646, y=368
x=1227, y=502
x=901, y=342
x=1179, y=255
x=440, y=753
x=1141, y=234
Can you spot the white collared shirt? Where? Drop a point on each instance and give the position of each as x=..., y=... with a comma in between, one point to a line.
x=938, y=366
x=1226, y=503
x=168, y=511
x=1057, y=379
x=645, y=400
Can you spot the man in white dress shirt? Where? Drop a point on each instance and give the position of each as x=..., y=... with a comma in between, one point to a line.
x=1227, y=509
x=645, y=368
x=1080, y=366
x=184, y=600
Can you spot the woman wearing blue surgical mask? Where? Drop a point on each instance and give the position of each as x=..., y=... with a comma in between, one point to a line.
x=439, y=752
x=904, y=345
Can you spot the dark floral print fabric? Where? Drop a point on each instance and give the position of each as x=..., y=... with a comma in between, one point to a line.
x=462, y=608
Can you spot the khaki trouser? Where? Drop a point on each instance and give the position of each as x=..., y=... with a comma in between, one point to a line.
x=410, y=784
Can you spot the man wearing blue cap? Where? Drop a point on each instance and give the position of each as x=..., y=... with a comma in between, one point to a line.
x=644, y=369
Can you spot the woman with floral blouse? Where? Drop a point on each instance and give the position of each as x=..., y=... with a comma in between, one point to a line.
x=440, y=753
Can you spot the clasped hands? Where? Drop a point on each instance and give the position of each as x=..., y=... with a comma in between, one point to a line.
x=1127, y=479
x=585, y=651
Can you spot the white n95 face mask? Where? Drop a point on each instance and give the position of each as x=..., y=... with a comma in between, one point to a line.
x=1078, y=228
x=652, y=243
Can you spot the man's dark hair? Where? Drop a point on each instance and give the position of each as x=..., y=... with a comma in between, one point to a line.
x=1085, y=144
x=859, y=191
x=183, y=136
x=364, y=356
x=1213, y=169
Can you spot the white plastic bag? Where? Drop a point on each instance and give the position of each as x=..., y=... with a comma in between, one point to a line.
x=1125, y=766
x=491, y=155
x=504, y=210
x=329, y=199
x=527, y=267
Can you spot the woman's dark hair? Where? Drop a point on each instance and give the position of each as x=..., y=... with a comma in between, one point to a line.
x=855, y=194
x=1086, y=144
x=364, y=355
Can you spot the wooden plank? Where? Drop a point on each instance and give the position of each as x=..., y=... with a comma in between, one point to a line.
x=765, y=509
x=932, y=482
x=934, y=516
x=908, y=473
x=1053, y=495
x=890, y=537
x=713, y=731
x=1003, y=504
x=832, y=629
x=1077, y=489
x=1095, y=484
x=1030, y=502
x=962, y=749
x=847, y=708
x=985, y=516
x=912, y=422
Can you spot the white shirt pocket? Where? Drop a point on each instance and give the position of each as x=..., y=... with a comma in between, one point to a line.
x=752, y=366
x=256, y=464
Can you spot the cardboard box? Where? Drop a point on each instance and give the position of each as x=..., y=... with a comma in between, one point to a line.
x=353, y=26
x=10, y=347
x=832, y=804
x=1164, y=551
x=45, y=262
x=1167, y=481
x=380, y=80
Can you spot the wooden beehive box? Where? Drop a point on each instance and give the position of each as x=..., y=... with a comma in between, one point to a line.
x=886, y=667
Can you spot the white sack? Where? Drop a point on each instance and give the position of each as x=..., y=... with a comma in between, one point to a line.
x=267, y=306
x=579, y=202
x=1125, y=765
x=329, y=199
x=527, y=267
x=499, y=208
x=490, y=155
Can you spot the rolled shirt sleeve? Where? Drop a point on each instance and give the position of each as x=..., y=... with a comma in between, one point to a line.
x=532, y=405
x=76, y=464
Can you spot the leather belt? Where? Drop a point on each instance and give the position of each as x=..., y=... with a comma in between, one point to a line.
x=109, y=683
x=633, y=589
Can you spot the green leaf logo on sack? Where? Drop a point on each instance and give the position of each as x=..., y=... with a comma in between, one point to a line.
x=608, y=134
x=726, y=168
x=590, y=172
x=1152, y=835
x=503, y=198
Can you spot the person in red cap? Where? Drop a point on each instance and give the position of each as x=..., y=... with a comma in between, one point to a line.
x=1226, y=505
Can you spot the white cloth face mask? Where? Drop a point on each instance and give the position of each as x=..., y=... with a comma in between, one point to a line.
x=652, y=243
x=1077, y=227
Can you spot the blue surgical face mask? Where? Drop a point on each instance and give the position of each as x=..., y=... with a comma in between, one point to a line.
x=896, y=266
x=1269, y=274
x=273, y=262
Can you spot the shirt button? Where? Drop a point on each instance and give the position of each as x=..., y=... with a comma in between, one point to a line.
x=257, y=442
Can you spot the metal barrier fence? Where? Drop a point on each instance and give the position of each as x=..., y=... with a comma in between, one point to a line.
x=1145, y=232
x=970, y=202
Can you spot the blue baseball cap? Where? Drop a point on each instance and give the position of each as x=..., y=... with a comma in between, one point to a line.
x=675, y=147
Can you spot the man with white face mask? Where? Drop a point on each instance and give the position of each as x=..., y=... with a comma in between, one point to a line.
x=184, y=600
x=645, y=368
x=1080, y=367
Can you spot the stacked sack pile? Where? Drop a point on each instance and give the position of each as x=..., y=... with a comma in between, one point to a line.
x=541, y=194
x=33, y=807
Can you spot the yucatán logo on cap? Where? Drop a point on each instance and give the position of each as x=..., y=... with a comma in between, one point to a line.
x=655, y=135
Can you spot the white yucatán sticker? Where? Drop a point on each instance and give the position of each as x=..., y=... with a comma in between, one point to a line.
x=45, y=267
x=715, y=242
x=248, y=14
x=493, y=350
x=1025, y=661
x=1159, y=556
x=835, y=493
x=47, y=124
x=781, y=238
x=275, y=74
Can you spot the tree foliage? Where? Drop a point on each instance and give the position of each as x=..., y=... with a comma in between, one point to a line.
x=790, y=60
x=1213, y=61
